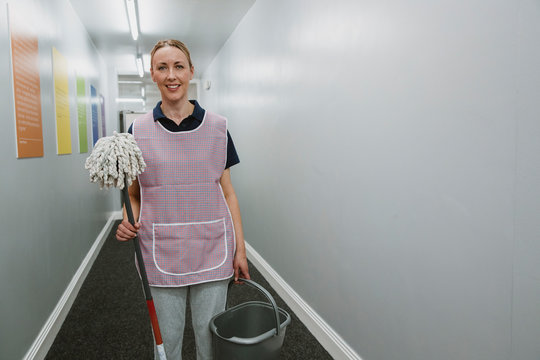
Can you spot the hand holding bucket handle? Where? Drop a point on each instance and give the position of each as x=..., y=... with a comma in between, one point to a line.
x=266, y=293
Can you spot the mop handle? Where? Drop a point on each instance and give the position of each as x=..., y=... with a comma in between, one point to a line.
x=144, y=278
x=137, y=246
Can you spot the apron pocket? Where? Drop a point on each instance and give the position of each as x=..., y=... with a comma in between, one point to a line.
x=189, y=248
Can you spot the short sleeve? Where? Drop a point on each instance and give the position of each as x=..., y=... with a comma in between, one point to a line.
x=232, y=155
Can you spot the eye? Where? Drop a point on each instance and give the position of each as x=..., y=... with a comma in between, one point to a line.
x=161, y=67
x=179, y=66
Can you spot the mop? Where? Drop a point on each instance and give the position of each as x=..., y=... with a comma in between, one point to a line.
x=116, y=161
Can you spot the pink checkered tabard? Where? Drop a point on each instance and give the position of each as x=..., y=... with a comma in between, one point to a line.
x=187, y=234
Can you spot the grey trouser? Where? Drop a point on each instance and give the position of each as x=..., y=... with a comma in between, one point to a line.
x=206, y=300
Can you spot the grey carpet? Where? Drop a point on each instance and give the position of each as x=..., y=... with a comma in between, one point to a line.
x=109, y=318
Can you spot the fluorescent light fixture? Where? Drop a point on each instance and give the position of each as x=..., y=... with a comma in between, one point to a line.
x=130, y=100
x=146, y=62
x=140, y=69
x=143, y=92
x=133, y=18
x=130, y=81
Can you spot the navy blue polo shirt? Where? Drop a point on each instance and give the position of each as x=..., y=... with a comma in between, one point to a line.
x=191, y=123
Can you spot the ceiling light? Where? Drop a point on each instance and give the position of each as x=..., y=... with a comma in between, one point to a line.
x=130, y=81
x=146, y=62
x=143, y=94
x=140, y=69
x=130, y=100
x=133, y=18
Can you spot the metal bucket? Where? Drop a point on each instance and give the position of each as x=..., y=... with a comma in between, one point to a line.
x=251, y=330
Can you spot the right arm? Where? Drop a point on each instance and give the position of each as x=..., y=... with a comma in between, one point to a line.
x=125, y=230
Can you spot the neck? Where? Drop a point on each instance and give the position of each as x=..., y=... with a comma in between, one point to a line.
x=177, y=111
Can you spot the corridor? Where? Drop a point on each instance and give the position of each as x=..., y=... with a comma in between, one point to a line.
x=387, y=166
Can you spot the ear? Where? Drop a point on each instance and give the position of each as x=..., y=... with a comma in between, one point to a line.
x=192, y=70
x=152, y=73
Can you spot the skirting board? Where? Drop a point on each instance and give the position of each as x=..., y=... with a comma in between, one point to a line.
x=327, y=337
x=48, y=332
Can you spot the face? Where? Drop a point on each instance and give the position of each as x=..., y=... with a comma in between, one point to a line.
x=171, y=73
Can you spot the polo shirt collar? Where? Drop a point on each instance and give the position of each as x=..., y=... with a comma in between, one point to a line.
x=198, y=111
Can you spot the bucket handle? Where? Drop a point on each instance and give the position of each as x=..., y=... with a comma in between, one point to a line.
x=266, y=293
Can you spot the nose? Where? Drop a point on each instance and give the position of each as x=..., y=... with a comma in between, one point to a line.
x=170, y=74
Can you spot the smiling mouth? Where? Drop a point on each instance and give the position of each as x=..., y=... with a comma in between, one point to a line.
x=172, y=86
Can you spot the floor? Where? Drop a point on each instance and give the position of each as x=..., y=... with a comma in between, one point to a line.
x=109, y=318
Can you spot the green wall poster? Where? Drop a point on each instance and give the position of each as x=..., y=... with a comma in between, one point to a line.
x=81, y=115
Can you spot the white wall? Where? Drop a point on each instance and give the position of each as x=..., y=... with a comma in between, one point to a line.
x=389, y=167
x=526, y=285
x=50, y=214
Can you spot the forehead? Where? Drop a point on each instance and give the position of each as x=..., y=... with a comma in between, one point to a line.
x=169, y=54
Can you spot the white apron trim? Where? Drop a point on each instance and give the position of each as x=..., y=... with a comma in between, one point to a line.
x=222, y=220
x=185, y=131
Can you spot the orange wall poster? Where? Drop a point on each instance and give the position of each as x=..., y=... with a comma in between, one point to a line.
x=26, y=88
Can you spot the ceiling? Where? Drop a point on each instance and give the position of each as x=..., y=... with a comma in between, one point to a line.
x=203, y=25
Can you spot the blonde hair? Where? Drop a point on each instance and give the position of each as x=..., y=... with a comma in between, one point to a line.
x=170, y=42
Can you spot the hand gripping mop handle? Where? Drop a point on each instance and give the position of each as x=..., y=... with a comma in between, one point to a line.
x=144, y=278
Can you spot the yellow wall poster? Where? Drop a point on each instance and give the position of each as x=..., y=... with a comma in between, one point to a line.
x=26, y=87
x=61, y=102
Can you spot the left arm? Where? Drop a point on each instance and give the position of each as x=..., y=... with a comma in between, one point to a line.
x=240, y=263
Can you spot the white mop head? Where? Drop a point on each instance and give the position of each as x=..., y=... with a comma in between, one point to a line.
x=114, y=159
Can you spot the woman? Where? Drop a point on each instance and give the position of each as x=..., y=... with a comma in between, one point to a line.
x=187, y=213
